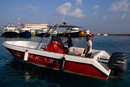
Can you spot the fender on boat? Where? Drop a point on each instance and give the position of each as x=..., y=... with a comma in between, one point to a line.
x=26, y=55
x=62, y=64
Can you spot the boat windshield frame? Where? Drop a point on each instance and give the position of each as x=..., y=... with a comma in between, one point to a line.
x=54, y=27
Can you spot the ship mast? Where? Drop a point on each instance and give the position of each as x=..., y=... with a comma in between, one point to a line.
x=19, y=22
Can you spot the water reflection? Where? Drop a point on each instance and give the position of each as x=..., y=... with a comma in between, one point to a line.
x=27, y=76
x=51, y=78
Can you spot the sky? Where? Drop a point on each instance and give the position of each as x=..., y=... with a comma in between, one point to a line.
x=99, y=16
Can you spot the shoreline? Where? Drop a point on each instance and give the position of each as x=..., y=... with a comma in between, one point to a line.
x=116, y=34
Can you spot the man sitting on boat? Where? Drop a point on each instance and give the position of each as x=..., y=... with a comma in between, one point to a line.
x=88, y=47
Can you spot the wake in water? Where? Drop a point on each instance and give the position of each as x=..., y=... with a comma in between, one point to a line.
x=5, y=61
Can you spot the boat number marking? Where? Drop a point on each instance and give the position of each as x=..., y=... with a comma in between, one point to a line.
x=16, y=53
x=43, y=59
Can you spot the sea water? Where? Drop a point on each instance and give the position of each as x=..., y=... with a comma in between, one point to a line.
x=15, y=73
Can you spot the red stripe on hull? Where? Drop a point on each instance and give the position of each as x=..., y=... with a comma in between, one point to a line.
x=84, y=69
x=74, y=67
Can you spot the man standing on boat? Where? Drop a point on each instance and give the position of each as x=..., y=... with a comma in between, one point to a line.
x=88, y=47
x=69, y=41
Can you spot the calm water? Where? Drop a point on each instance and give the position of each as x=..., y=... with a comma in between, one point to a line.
x=14, y=73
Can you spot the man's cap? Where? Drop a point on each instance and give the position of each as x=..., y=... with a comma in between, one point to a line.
x=88, y=35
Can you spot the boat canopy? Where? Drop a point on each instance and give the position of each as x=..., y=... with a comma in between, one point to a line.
x=54, y=27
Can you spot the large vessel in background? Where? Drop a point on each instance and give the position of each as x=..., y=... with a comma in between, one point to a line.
x=25, y=33
x=10, y=31
x=43, y=32
x=74, y=32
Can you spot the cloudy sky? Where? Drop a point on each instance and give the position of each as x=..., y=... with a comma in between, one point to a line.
x=100, y=16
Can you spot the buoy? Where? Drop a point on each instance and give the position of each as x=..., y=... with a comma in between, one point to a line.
x=26, y=55
x=62, y=64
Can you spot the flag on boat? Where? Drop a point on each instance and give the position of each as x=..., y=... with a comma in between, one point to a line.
x=22, y=25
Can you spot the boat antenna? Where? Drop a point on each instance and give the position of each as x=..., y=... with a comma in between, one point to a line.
x=19, y=21
x=64, y=17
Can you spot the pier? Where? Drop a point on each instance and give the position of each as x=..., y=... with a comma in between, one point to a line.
x=116, y=34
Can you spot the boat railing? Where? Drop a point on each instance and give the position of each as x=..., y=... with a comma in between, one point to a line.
x=100, y=54
x=96, y=54
x=54, y=27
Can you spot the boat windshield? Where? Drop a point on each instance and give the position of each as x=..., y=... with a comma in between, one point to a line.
x=54, y=27
x=54, y=38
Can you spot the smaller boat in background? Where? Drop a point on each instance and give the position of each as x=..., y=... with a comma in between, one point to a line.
x=98, y=34
x=10, y=31
x=105, y=34
x=81, y=34
x=85, y=32
x=25, y=33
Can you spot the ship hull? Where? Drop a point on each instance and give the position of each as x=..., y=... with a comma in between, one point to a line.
x=10, y=34
x=25, y=34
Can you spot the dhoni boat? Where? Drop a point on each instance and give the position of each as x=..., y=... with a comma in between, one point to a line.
x=55, y=55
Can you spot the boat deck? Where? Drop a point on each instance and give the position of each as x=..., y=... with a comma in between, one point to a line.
x=73, y=51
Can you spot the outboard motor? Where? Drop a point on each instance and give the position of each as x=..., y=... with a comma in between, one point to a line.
x=118, y=63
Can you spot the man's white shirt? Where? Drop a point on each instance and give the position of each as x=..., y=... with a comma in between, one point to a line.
x=88, y=43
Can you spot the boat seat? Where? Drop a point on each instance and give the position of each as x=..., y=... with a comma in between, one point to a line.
x=75, y=51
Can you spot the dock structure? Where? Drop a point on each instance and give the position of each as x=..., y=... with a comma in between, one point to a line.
x=116, y=34
x=36, y=28
x=119, y=34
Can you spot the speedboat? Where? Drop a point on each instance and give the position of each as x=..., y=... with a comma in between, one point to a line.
x=55, y=55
